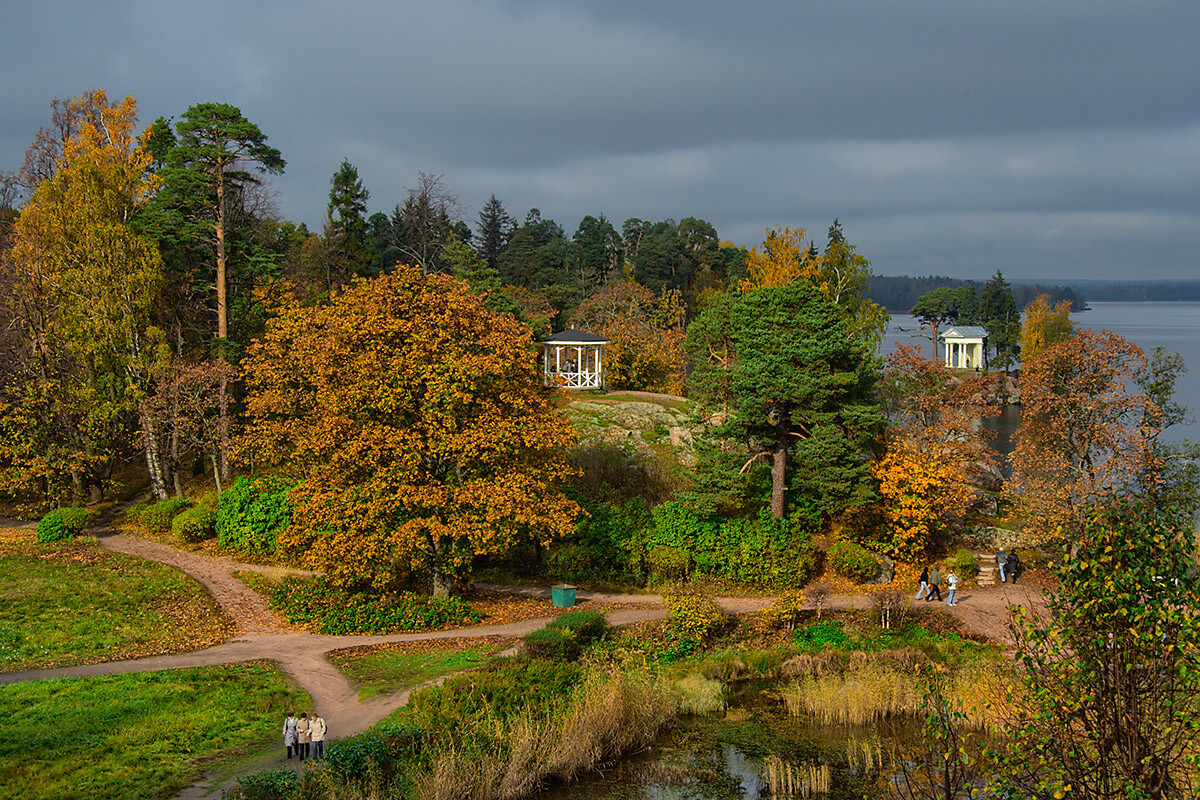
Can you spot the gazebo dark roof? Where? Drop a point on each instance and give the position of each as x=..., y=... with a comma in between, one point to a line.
x=573, y=336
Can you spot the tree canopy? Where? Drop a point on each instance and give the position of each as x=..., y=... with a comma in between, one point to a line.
x=81, y=288
x=796, y=386
x=417, y=423
x=1087, y=435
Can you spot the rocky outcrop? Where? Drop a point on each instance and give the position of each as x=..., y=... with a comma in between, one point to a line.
x=643, y=421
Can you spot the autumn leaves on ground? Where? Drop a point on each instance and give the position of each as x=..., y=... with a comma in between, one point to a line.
x=347, y=433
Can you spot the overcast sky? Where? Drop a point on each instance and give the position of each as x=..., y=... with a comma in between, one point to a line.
x=1050, y=139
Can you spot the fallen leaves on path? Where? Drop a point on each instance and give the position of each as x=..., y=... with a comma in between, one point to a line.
x=458, y=643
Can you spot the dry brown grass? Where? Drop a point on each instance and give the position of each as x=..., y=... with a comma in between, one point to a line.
x=611, y=714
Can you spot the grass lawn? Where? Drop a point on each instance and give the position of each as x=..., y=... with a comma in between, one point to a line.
x=76, y=603
x=386, y=669
x=144, y=735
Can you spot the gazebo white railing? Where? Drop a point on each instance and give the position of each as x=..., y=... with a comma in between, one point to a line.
x=573, y=360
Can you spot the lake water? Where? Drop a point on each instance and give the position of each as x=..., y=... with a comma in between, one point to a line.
x=1175, y=327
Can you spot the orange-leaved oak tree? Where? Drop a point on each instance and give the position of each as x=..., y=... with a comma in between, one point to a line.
x=416, y=422
x=1087, y=434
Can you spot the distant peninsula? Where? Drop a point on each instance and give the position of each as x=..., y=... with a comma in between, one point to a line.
x=1139, y=291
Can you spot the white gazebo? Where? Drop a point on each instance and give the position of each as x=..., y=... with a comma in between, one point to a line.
x=573, y=360
x=966, y=347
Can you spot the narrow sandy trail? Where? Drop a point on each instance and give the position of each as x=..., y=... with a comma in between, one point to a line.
x=244, y=606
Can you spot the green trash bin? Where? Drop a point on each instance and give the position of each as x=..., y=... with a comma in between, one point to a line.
x=563, y=595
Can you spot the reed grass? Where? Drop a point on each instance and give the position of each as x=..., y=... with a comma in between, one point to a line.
x=872, y=690
x=609, y=715
x=864, y=754
x=787, y=781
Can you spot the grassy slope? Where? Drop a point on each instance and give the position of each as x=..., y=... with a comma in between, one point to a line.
x=135, y=736
x=75, y=603
x=386, y=671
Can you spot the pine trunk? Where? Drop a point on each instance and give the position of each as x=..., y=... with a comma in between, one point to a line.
x=222, y=318
x=778, y=473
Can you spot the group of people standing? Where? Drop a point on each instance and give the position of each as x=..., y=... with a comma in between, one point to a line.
x=931, y=584
x=304, y=736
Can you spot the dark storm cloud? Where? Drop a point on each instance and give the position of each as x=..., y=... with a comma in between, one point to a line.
x=1044, y=138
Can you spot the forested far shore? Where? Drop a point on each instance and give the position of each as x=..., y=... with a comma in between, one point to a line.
x=899, y=293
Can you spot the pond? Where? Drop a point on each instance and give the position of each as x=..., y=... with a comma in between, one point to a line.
x=754, y=750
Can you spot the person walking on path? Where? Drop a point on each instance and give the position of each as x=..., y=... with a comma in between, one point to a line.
x=317, y=731
x=935, y=585
x=1013, y=565
x=924, y=583
x=289, y=735
x=1002, y=562
x=304, y=735
x=952, y=584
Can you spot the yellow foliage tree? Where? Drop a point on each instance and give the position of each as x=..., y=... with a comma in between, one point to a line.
x=1044, y=326
x=415, y=418
x=783, y=257
x=840, y=274
x=82, y=285
x=934, y=445
x=923, y=486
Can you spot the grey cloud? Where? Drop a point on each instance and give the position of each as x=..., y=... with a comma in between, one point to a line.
x=1059, y=137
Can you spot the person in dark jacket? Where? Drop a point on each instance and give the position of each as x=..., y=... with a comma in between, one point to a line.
x=924, y=583
x=935, y=585
x=1012, y=566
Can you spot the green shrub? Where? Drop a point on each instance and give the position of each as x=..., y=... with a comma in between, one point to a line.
x=822, y=635
x=759, y=549
x=498, y=691
x=671, y=563
x=765, y=551
x=388, y=746
x=158, y=517
x=693, y=618
x=335, y=611
x=674, y=536
x=250, y=520
x=195, y=524
x=272, y=784
x=964, y=563
x=570, y=562
x=61, y=524
x=585, y=626
x=852, y=561
x=554, y=644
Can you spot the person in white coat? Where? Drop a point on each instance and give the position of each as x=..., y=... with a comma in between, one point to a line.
x=952, y=583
